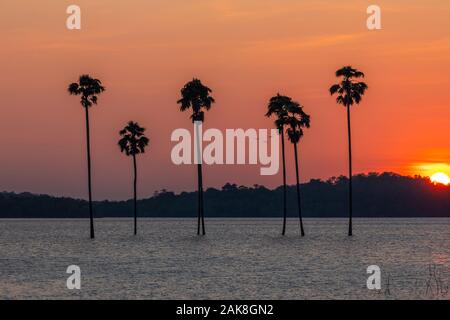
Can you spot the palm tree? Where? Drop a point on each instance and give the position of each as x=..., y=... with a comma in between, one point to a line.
x=88, y=88
x=132, y=142
x=195, y=96
x=297, y=120
x=277, y=106
x=349, y=92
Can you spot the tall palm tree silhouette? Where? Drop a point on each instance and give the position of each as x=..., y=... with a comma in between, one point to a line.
x=277, y=106
x=88, y=88
x=297, y=120
x=349, y=92
x=133, y=142
x=196, y=96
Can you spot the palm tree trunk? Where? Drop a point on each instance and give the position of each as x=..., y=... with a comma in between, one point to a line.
x=88, y=146
x=135, y=194
x=199, y=156
x=350, y=190
x=201, y=212
x=284, y=182
x=302, y=231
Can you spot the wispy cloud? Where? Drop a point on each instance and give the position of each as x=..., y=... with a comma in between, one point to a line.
x=315, y=42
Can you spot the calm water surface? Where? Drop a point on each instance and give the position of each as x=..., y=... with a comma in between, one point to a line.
x=238, y=259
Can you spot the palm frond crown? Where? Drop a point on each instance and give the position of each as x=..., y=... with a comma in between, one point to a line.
x=196, y=96
x=278, y=106
x=297, y=120
x=89, y=89
x=349, y=91
x=133, y=141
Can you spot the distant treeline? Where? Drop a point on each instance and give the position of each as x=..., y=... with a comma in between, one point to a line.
x=375, y=195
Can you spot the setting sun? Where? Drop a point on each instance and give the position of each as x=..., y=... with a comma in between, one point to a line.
x=441, y=178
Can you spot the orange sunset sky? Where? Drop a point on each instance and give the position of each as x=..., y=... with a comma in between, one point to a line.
x=246, y=51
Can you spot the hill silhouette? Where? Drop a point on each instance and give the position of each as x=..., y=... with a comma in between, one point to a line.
x=375, y=195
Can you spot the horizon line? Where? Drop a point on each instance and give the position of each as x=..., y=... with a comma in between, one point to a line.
x=163, y=190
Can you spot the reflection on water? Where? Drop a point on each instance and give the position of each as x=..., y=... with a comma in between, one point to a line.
x=441, y=259
x=238, y=259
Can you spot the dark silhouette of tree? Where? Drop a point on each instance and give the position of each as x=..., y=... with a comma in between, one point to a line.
x=88, y=88
x=349, y=92
x=277, y=106
x=379, y=195
x=196, y=96
x=297, y=120
x=133, y=142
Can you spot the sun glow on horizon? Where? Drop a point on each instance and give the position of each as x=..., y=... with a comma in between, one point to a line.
x=440, y=178
x=434, y=170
